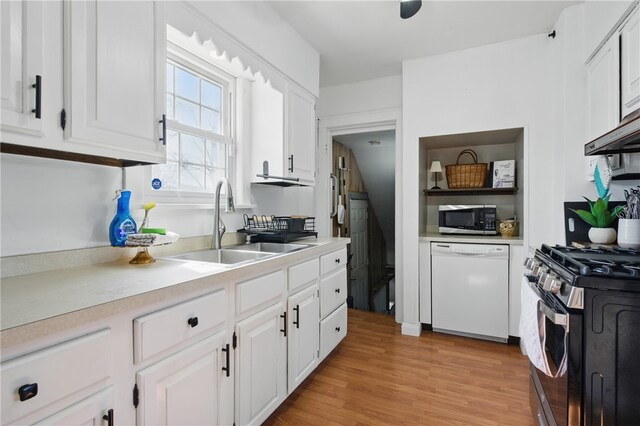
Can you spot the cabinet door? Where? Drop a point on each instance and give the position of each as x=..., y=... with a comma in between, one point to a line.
x=261, y=376
x=21, y=54
x=304, y=338
x=425, y=282
x=630, y=64
x=91, y=411
x=603, y=90
x=187, y=388
x=114, y=77
x=301, y=136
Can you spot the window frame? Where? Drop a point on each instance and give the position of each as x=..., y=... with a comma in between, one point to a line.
x=191, y=62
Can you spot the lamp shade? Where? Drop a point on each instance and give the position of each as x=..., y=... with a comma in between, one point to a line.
x=436, y=167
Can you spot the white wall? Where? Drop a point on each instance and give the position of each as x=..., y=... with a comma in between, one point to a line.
x=498, y=86
x=370, y=95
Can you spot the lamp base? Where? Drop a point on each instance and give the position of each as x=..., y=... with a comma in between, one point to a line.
x=435, y=187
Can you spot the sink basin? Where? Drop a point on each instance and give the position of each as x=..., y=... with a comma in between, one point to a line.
x=267, y=247
x=223, y=256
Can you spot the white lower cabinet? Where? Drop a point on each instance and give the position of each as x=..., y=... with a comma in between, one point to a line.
x=303, y=338
x=187, y=388
x=261, y=364
x=332, y=330
x=50, y=380
x=95, y=410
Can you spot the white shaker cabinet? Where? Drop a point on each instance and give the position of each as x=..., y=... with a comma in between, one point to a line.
x=114, y=56
x=300, y=135
x=261, y=364
x=188, y=387
x=603, y=89
x=304, y=337
x=95, y=410
x=630, y=64
x=22, y=78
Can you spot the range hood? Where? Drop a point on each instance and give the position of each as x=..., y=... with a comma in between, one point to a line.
x=623, y=139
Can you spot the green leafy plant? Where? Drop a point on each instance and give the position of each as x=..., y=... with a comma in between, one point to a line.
x=600, y=216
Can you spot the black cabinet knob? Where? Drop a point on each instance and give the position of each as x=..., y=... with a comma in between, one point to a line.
x=338, y=260
x=192, y=321
x=337, y=329
x=28, y=391
x=109, y=417
x=337, y=290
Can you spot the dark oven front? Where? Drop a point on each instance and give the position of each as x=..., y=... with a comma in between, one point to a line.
x=557, y=400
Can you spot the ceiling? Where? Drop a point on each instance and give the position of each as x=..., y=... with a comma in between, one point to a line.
x=363, y=40
x=377, y=167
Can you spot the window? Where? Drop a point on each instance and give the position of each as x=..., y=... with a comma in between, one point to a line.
x=199, y=126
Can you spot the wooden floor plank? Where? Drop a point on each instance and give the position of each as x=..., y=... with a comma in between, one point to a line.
x=377, y=376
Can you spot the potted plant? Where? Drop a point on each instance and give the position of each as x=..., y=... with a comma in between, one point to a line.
x=600, y=219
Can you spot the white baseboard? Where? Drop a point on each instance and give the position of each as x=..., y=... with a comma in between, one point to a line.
x=409, y=329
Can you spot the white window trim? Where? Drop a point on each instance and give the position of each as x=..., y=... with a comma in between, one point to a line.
x=191, y=61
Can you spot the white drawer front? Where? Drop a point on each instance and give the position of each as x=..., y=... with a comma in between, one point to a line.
x=333, y=291
x=332, y=261
x=59, y=372
x=303, y=273
x=252, y=293
x=156, y=332
x=332, y=330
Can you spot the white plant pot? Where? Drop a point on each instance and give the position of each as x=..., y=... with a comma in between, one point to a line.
x=629, y=233
x=602, y=235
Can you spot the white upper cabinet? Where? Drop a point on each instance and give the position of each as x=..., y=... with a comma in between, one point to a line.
x=630, y=64
x=114, y=77
x=300, y=135
x=21, y=54
x=603, y=89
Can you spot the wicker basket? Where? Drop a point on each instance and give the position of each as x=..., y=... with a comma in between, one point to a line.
x=466, y=175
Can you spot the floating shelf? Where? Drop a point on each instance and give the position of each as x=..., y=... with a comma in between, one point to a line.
x=471, y=191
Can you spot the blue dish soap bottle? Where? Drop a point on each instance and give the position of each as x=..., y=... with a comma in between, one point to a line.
x=122, y=224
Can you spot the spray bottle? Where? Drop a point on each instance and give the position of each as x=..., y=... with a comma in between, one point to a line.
x=122, y=224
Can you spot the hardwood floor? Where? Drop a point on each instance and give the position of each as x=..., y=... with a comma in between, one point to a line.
x=377, y=376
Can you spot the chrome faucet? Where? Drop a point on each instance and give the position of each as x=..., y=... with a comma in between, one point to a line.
x=218, y=225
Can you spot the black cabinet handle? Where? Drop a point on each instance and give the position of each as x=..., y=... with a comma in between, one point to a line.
x=291, y=163
x=338, y=260
x=297, y=321
x=38, y=86
x=338, y=290
x=227, y=368
x=284, y=330
x=337, y=329
x=109, y=417
x=193, y=321
x=28, y=391
x=164, y=129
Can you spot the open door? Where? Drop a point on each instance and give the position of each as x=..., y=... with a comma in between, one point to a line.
x=358, y=220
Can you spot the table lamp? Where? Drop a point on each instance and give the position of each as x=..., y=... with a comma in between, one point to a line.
x=436, y=168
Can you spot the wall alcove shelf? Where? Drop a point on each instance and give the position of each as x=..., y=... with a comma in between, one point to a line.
x=471, y=191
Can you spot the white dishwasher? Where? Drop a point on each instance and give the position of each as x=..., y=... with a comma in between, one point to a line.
x=470, y=289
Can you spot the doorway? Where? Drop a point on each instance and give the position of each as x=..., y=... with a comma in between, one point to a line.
x=364, y=164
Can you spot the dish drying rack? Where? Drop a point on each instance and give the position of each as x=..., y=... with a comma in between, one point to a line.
x=278, y=229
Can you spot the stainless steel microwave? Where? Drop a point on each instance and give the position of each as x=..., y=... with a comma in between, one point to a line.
x=478, y=219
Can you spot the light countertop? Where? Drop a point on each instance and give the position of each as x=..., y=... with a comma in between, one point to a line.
x=473, y=239
x=41, y=303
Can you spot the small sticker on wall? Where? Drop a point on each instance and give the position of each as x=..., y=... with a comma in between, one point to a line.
x=156, y=183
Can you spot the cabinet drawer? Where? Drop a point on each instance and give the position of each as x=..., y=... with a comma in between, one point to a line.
x=303, y=273
x=332, y=330
x=59, y=372
x=332, y=261
x=158, y=331
x=333, y=291
x=255, y=292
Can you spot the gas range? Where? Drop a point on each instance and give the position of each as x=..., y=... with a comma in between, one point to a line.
x=565, y=271
x=590, y=304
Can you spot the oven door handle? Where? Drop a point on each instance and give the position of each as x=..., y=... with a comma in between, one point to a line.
x=554, y=317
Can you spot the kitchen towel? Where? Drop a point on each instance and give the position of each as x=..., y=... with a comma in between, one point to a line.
x=532, y=332
x=146, y=240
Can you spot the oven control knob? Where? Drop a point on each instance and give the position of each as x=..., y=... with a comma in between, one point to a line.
x=530, y=263
x=555, y=285
x=537, y=270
